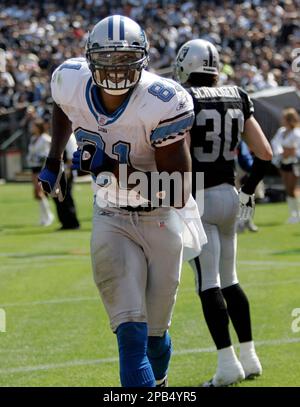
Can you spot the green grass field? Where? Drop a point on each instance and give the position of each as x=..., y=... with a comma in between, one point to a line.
x=57, y=333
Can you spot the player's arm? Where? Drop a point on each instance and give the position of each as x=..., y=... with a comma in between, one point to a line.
x=52, y=176
x=171, y=140
x=172, y=160
x=259, y=145
x=175, y=158
x=61, y=132
x=188, y=139
x=256, y=140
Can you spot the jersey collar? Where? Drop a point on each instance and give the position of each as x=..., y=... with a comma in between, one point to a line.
x=95, y=106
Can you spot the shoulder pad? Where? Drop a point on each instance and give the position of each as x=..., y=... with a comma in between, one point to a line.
x=67, y=79
x=172, y=109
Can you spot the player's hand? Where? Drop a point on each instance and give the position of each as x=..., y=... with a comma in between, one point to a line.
x=88, y=158
x=247, y=204
x=53, y=179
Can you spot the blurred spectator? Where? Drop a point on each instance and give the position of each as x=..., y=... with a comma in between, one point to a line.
x=66, y=210
x=286, y=150
x=257, y=38
x=2, y=60
x=38, y=150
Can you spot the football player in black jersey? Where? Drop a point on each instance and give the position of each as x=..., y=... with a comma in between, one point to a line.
x=224, y=115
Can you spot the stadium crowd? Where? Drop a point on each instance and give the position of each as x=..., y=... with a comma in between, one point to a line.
x=256, y=37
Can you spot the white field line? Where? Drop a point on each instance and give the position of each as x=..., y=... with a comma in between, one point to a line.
x=64, y=300
x=18, y=265
x=24, y=257
x=254, y=284
x=32, y=259
x=269, y=263
x=271, y=283
x=52, y=301
x=89, y=362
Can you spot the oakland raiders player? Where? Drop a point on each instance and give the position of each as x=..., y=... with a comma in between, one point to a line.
x=122, y=114
x=223, y=115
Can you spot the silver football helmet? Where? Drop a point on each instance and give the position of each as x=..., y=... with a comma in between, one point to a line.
x=196, y=56
x=117, y=52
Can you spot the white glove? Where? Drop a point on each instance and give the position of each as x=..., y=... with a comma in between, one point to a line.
x=247, y=204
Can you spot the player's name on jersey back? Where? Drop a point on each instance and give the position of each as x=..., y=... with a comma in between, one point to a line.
x=222, y=91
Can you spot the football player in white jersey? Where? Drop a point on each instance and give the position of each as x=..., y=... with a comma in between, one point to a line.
x=122, y=114
x=223, y=115
x=286, y=150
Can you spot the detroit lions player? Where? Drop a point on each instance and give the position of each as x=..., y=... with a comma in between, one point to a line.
x=121, y=113
x=223, y=115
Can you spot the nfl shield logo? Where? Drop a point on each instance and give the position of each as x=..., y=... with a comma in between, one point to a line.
x=102, y=120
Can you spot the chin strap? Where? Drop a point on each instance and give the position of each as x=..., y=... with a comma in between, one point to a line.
x=115, y=92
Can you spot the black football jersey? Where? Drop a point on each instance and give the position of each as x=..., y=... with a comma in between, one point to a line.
x=220, y=114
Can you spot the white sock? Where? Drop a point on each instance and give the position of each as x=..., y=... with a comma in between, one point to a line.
x=249, y=359
x=246, y=348
x=226, y=356
x=293, y=206
x=45, y=208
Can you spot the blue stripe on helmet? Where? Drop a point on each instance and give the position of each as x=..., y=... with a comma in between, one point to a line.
x=110, y=28
x=122, y=29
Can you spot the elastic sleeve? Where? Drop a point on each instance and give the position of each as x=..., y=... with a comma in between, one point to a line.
x=257, y=173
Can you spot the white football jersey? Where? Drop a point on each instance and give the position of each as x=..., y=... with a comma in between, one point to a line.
x=156, y=112
x=38, y=150
x=286, y=139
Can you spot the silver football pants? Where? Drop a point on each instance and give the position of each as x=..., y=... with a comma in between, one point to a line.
x=136, y=258
x=216, y=265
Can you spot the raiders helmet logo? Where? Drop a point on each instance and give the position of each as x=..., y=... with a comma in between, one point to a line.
x=183, y=53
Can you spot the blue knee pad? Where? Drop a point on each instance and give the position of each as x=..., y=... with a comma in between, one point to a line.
x=135, y=368
x=159, y=352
